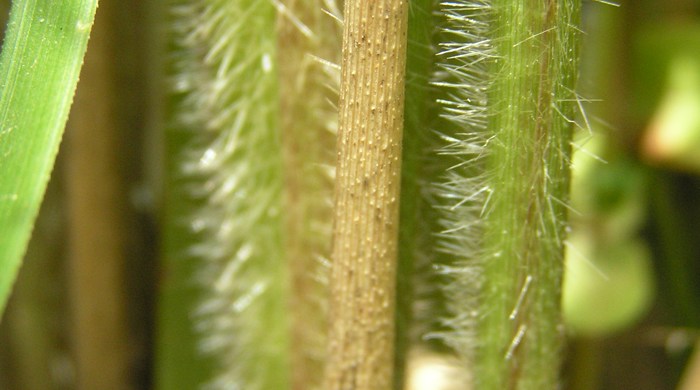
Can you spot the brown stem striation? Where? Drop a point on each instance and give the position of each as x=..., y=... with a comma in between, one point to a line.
x=363, y=278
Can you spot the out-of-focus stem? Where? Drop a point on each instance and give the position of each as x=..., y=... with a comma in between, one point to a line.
x=223, y=208
x=306, y=37
x=31, y=333
x=691, y=376
x=99, y=216
x=414, y=274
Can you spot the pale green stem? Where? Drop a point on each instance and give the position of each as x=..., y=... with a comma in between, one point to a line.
x=41, y=59
x=224, y=206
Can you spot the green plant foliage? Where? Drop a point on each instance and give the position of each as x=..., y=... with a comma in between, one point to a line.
x=668, y=65
x=41, y=59
x=609, y=280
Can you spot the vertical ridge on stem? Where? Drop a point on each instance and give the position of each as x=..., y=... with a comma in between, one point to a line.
x=505, y=84
x=366, y=198
x=532, y=98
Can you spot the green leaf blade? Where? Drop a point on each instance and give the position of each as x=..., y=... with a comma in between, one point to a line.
x=39, y=67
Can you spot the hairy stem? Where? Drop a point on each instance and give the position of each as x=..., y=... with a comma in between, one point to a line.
x=224, y=208
x=416, y=287
x=306, y=38
x=367, y=192
x=505, y=82
x=532, y=102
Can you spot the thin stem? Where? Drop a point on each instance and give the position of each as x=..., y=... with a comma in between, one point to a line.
x=367, y=192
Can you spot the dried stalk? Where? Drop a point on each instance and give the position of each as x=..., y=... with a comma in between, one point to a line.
x=367, y=192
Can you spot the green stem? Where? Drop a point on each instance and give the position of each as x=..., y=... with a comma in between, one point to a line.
x=41, y=59
x=223, y=214
x=505, y=82
x=416, y=287
x=531, y=100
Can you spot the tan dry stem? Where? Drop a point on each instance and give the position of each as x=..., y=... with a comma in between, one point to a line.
x=691, y=376
x=363, y=278
x=308, y=145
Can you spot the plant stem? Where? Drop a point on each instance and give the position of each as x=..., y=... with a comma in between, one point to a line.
x=366, y=199
x=223, y=214
x=100, y=218
x=532, y=103
x=505, y=82
x=415, y=284
x=308, y=124
x=41, y=59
